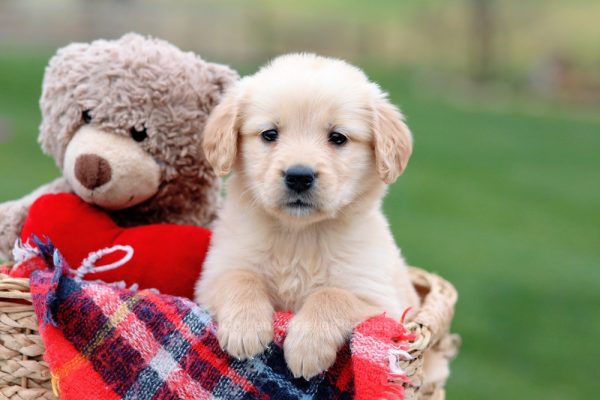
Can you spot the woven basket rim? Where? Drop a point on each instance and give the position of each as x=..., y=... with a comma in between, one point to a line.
x=435, y=315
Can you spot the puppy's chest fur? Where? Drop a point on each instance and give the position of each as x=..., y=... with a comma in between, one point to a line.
x=294, y=266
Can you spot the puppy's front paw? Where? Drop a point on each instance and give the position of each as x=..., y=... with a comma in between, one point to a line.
x=245, y=331
x=310, y=348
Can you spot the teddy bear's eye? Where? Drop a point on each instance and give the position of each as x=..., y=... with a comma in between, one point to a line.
x=138, y=135
x=86, y=116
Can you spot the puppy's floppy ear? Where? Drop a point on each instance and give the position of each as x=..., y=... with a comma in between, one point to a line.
x=220, y=136
x=392, y=140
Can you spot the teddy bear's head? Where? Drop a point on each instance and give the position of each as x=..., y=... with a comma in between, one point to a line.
x=123, y=120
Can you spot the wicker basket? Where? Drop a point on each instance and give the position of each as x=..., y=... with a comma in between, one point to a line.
x=24, y=375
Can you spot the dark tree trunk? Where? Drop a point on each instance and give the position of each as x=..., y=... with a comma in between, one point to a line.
x=482, y=39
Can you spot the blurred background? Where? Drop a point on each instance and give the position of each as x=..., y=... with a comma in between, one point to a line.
x=502, y=195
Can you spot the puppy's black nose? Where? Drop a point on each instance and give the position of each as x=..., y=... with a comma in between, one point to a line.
x=299, y=178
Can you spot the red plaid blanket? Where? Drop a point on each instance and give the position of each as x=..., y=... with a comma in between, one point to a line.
x=106, y=342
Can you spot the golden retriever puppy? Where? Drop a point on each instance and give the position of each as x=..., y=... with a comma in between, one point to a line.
x=312, y=144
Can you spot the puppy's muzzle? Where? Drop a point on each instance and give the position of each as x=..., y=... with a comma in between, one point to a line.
x=299, y=178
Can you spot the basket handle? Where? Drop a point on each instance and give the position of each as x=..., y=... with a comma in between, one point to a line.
x=435, y=315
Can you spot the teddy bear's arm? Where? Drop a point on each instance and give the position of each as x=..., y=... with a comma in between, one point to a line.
x=14, y=212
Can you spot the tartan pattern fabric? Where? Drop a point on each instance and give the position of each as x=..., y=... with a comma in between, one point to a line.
x=106, y=342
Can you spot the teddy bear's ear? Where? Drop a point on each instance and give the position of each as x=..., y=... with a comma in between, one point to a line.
x=222, y=77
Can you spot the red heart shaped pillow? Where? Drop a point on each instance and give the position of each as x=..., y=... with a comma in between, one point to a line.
x=167, y=257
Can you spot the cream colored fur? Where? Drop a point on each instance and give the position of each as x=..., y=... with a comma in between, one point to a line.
x=335, y=264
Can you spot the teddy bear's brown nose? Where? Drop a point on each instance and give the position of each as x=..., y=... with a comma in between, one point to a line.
x=92, y=171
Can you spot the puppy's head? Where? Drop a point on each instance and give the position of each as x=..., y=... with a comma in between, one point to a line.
x=307, y=136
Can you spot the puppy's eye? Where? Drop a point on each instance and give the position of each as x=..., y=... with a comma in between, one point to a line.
x=138, y=135
x=270, y=135
x=86, y=116
x=337, y=138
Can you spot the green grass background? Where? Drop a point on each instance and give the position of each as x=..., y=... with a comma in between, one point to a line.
x=501, y=200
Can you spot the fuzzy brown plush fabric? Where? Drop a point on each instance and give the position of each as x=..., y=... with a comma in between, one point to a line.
x=123, y=120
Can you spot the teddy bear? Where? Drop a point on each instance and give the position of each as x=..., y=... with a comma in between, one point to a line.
x=123, y=120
